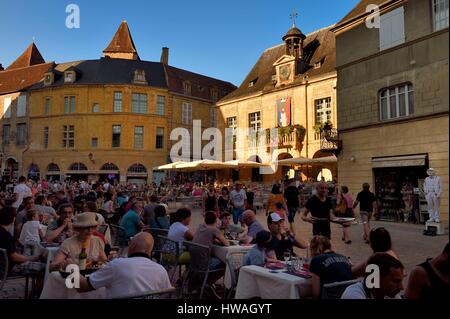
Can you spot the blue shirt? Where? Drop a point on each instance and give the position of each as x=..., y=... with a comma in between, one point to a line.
x=163, y=221
x=121, y=200
x=130, y=222
x=255, y=256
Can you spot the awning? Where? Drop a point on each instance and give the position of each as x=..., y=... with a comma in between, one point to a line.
x=399, y=161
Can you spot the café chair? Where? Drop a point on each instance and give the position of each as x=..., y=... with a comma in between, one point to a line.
x=200, y=256
x=234, y=264
x=119, y=239
x=156, y=294
x=336, y=289
x=157, y=248
x=169, y=256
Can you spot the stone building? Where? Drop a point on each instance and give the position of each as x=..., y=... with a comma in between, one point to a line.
x=26, y=70
x=112, y=117
x=292, y=88
x=394, y=103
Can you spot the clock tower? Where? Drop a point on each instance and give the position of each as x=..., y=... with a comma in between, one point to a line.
x=286, y=66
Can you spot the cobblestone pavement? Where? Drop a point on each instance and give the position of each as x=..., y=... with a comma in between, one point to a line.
x=408, y=242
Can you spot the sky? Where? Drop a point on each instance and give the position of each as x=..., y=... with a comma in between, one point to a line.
x=221, y=39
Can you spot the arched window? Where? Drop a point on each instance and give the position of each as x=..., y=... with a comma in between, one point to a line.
x=52, y=167
x=396, y=101
x=109, y=167
x=137, y=168
x=78, y=167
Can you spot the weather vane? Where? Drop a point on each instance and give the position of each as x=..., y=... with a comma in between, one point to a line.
x=294, y=15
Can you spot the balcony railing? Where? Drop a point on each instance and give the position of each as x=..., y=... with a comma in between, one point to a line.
x=329, y=141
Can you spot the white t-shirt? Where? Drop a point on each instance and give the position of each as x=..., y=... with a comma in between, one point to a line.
x=22, y=191
x=238, y=198
x=356, y=291
x=125, y=276
x=30, y=232
x=176, y=232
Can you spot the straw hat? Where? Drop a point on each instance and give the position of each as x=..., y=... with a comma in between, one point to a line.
x=85, y=220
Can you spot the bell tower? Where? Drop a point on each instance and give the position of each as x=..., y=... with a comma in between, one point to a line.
x=293, y=40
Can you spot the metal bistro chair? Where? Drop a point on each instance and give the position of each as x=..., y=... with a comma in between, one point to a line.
x=170, y=255
x=156, y=294
x=3, y=267
x=200, y=256
x=336, y=289
x=234, y=263
x=119, y=239
x=157, y=247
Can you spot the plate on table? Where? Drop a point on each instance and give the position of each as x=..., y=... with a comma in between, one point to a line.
x=234, y=242
x=343, y=220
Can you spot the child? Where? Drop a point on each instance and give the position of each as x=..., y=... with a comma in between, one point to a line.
x=280, y=211
x=258, y=254
x=31, y=234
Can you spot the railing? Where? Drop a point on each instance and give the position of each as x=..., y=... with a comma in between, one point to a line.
x=329, y=141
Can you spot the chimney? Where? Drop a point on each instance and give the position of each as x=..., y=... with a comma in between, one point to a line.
x=165, y=56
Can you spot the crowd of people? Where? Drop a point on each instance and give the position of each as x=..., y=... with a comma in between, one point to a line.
x=75, y=217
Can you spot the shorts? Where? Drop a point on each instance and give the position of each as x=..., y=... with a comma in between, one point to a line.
x=291, y=213
x=365, y=216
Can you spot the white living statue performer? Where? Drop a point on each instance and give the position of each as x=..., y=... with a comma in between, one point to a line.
x=433, y=190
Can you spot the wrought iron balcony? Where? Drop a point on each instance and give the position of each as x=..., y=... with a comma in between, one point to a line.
x=330, y=142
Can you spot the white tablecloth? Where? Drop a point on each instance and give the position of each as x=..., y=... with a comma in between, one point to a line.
x=51, y=253
x=256, y=281
x=55, y=288
x=222, y=252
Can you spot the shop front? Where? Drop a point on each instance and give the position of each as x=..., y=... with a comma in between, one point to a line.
x=399, y=187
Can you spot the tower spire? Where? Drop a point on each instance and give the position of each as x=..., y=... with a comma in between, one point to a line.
x=122, y=45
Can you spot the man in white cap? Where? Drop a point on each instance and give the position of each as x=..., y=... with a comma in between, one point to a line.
x=433, y=190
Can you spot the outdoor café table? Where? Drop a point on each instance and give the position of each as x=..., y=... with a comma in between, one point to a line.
x=256, y=281
x=55, y=288
x=222, y=252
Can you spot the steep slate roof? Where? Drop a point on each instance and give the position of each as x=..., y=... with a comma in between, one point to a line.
x=122, y=42
x=200, y=84
x=319, y=45
x=121, y=71
x=22, y=78
x=360, y=10
x=109, y=71
x=31, y=56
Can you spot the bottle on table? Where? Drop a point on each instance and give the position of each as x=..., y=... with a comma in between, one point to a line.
x=82, y=258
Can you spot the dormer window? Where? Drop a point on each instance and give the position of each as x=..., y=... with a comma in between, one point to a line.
x=187, y=88
x=48, y=78
x=214, y=94
x=319, y=64
x=139, y=77
x=69, y=77
x=252, y=82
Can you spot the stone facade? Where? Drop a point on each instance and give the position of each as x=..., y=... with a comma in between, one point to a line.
x=364, y=71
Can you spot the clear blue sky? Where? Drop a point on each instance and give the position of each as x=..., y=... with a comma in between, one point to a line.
x=218, y=38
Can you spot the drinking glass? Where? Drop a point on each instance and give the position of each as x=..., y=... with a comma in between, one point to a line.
x=287, y=257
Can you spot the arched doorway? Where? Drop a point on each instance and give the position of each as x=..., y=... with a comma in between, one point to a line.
x=53, y=172
x=78, y=172
x=256, y=175
x=137, y=174
x=326, y=170
x=111, y=172
x=284, y=172
x=34, y=172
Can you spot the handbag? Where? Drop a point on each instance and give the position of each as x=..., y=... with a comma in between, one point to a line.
x=341, y=208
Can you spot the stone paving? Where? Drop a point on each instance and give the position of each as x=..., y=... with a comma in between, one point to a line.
x=409, y=243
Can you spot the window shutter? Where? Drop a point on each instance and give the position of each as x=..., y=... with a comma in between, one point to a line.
x=21, y=105
x=7, y=107
x=392, y=28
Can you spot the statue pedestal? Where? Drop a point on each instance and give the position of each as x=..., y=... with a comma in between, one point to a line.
x=438, y=226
